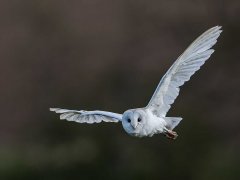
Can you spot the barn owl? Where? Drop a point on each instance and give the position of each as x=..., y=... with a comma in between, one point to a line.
x=152, y=119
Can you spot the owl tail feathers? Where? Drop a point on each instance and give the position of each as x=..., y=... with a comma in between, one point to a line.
x=172, y=122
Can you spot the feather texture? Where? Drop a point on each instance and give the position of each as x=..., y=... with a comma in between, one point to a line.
x=87, y=116
x=181, y=71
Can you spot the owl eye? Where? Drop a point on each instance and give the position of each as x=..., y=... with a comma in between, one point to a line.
x=129, y=120
x=139, y=119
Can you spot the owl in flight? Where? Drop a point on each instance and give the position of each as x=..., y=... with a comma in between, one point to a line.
x=152, y=119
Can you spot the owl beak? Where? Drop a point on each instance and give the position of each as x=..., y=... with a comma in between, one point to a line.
x=134, y=124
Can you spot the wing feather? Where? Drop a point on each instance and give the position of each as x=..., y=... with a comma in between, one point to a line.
x=182, y=70
x=87, y=116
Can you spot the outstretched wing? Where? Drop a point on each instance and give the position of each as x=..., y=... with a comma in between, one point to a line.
x=181, y=71
x=87, y=116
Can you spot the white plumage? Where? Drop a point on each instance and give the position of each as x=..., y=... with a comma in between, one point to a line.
x=87, y=116
x=152, y=119
x=182, y=69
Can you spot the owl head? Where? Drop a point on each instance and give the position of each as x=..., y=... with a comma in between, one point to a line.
x=133, y=121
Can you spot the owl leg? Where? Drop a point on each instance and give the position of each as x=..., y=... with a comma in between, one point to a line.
x=170, y=134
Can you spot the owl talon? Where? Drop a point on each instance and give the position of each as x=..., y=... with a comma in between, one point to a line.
x=171, y=135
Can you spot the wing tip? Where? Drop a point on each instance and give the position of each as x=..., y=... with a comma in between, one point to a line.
x=214, y=30
x=53, y=109
x=217, y=28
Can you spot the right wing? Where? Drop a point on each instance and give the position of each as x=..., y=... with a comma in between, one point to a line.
x=87, y=116
x=181, y=71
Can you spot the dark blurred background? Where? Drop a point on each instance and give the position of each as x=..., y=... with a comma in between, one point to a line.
x=110, y=55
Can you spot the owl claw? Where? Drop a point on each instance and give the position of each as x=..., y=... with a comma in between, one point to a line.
x=171, y=134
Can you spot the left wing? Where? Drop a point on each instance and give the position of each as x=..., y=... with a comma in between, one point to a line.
x=181, y=71
x=87, y=116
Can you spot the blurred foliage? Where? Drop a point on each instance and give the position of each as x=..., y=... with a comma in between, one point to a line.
x=110, y=55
